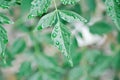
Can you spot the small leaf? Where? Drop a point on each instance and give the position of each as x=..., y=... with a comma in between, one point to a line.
x=39, y=7
x=61, y=38
x=46, y=21
x=113, y=10
x=5, y=20
x=100, y=28
x=71, y=16
x=18, y=46
x=69, y=1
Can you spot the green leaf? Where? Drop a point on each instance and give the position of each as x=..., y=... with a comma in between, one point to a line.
x=3, y=37
x=5, y=20
x=18, y=46
x=24, y=70
x=46, y=21
x=71, y=16
x=6, y=3
x=91, y=5
x=75, y=73
x=100, y=28
x=39, y=7
x=113, y=9
x=25, y=6
x=61, y=38
x=69, y=1
x=3, y=42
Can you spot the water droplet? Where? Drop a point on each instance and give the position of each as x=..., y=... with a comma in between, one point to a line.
x=5, y=41
x=57, y=43
x=56, y=27
x=71, y=63
x=31, y=16
x=65, y=34
x=39, y=28
x=54, y=35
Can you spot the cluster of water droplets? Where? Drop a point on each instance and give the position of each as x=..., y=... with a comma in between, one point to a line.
x=113, y=10
x=68, y=1
x=39, y=7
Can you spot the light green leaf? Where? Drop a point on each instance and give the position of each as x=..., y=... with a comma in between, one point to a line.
x=113, y=9
x=39, y=7
x=69, y=1
x=46, y=21
x=5, y=20
x=71, y=16
x=61, y=38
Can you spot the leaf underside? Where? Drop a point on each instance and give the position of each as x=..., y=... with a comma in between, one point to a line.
x=113, y=10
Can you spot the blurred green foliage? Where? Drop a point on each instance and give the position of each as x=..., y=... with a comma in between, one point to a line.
x=42, y=60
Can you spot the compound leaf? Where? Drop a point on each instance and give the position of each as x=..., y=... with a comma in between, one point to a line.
x=46, y=21
x=113, y=10
x=71, y=16
x=61, y=38
x=39, y=7
x=69, y=1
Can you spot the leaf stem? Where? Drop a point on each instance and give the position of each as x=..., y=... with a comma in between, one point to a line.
x=55, y=5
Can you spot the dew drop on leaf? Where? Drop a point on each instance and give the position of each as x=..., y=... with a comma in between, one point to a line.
x=54, y=35
x=39, y=28
x=57, y=43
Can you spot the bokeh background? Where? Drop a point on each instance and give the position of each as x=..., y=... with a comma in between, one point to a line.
x=95, y=46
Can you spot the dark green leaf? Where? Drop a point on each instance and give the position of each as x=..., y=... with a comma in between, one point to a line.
x=100, y=28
